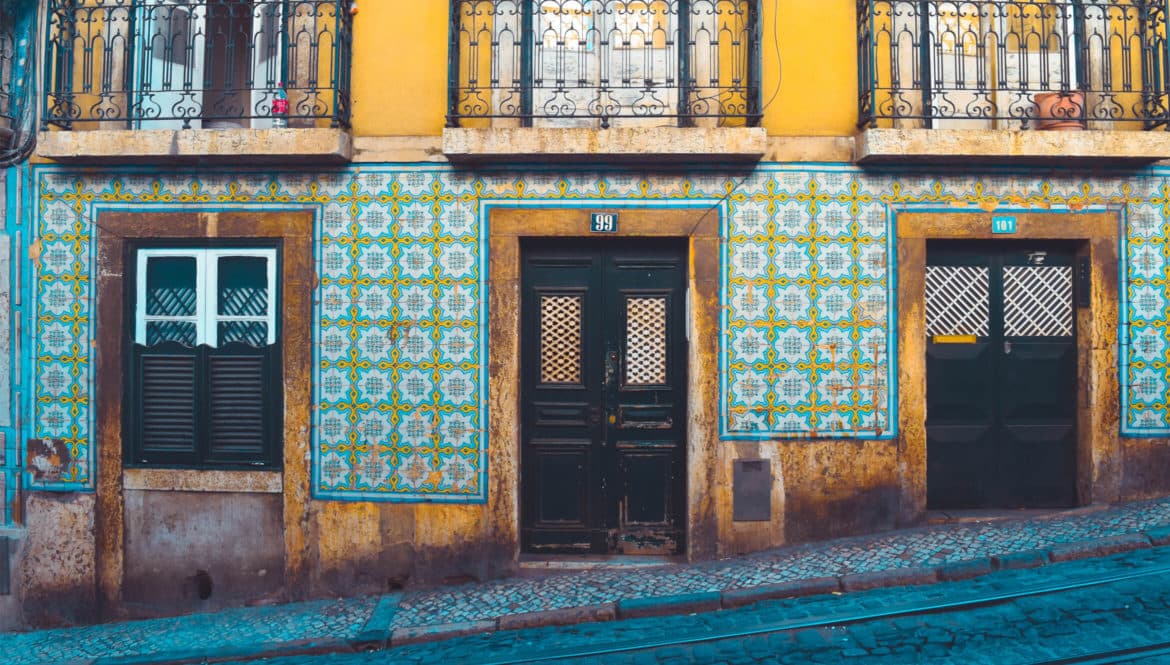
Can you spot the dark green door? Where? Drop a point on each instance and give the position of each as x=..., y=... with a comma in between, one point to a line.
x=1000, y=375
x=603, y=355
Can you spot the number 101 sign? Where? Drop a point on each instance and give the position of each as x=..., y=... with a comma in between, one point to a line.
x=603, y=222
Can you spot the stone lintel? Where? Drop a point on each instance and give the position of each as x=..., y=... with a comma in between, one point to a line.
x=1013, y=146
x=197, y=146
x=616, y=145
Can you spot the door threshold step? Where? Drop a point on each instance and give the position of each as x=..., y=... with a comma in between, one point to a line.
x=966, y=516
x=542, y=563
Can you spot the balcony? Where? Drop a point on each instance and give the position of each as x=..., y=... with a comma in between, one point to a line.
x=930, y=71
x=613, y=79
x=175, y=80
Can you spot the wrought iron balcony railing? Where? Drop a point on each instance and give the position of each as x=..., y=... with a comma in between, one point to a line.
x=587, y=63
x=1100, y=64
x=165, y=64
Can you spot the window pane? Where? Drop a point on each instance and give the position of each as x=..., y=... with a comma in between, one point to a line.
x=170, y=286
x=252, y=333
x=243, y=286
x=182, y=332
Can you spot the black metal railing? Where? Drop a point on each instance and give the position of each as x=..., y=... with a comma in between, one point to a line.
x=144, y=64
x=1012, y=63
x=602, y=62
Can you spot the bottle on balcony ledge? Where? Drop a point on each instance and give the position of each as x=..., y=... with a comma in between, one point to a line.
x=280, y=108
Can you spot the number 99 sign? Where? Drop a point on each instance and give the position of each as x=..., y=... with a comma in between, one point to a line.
x=603, y=222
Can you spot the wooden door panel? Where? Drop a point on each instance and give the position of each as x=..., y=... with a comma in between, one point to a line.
x=561, y=497
x=1041, y=470
x=1001, y=412
x=603, y=396
x=960, y=466
x=1038, y=382
x=961, y=383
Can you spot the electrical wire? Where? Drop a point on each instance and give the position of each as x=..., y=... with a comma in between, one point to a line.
x=776, y=46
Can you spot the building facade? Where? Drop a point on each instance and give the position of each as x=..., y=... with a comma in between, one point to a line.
x=305, y=299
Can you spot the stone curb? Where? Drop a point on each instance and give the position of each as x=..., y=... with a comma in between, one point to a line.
x=682, y=603
x=417, y=634
x=890, y=577
x=813, y=586
x=964, y=570
x=563, y=617
x=1100, y=547
x=1019, y=560
x=1159, y=537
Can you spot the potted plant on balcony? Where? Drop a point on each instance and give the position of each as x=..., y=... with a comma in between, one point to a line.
x=1062, y=110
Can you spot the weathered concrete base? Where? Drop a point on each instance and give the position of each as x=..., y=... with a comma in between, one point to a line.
x=204, y=146
x=58, y=564
x=188, y=551
x=874, y=146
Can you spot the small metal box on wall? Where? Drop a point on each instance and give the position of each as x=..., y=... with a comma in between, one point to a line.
x=751, y=489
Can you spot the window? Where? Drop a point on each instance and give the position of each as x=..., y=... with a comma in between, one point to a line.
x=601, y=63
x=196, y=64
x=209, y=64
x=203, y=382
x=984, y=64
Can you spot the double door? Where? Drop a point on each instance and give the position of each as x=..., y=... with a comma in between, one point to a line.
x=603, y=354
x=1001, y=375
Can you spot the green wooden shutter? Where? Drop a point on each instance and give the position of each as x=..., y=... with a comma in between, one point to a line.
x=166, y=405
x=239, y=405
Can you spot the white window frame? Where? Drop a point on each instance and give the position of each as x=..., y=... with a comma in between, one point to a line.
x=206, y=317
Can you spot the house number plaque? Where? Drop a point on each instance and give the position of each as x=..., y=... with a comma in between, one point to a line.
x=603, y=222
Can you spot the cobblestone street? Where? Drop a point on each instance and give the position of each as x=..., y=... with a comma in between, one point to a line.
x=942, y=551
x=1057, y=625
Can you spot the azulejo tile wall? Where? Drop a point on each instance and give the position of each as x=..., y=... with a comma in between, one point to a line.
x=400, y=337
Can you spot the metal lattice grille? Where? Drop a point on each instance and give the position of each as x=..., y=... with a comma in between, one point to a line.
x=646, y=341
x=956, y=300
x=560, y=339
x=1037, y=301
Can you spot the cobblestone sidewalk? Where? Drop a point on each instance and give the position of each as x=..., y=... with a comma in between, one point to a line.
x=902, y=557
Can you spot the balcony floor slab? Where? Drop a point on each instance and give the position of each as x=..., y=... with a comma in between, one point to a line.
x=1010, y=146
x=614, y=145
x=197, y=146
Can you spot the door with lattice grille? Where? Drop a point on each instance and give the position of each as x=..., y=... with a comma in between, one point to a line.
x=1000, y=375
x=603, y=355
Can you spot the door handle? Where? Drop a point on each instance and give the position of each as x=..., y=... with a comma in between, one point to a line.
x=610, y=367
x=1007, y=346
x=595, y=415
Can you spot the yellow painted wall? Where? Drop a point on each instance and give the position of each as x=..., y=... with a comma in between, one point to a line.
x=816, y=65
x=400, y=67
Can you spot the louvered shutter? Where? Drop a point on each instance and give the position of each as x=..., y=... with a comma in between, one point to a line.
x=166, y=404
x=239, y=394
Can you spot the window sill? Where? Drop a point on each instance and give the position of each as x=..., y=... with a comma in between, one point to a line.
x=878, y=146
x=623, y=145
x=146, y=146
x=188, y=480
